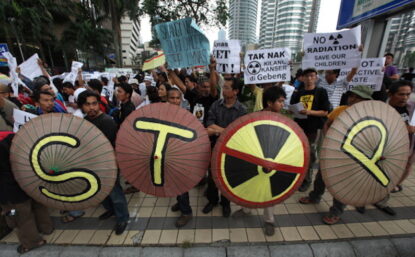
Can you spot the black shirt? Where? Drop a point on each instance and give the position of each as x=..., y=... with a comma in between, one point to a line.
x=403, y=111
x=202, y=103
x=222, y=116
x=126, y=109
x=107, y=125
x=316, y=100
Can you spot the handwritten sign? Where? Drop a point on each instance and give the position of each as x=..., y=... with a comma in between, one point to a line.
x=328, y=51
x=184, y=44
x=20, y=118
x=267, y=65
x=227, y=56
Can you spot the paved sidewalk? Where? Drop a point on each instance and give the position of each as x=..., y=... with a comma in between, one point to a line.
x=396, y=247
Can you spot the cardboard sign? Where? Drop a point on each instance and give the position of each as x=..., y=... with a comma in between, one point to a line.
x=370, y=73
x=227, y=56
x=328, y=51
x=12, y=63
x=20, y=118
x=267, y=65
x=30, y=68
x=184, y=44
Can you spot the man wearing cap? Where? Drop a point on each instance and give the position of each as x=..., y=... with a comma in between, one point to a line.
x=6, y=112
x=356, y=95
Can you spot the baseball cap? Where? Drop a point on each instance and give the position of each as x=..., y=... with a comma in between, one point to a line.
x=364, y=92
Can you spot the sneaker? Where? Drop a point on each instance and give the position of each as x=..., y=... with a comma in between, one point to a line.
x=183, y=220
x=106, y=215
x=175, y=207
x=120, y=227
x=269, y=229
x=208, y=208
x=226, y=211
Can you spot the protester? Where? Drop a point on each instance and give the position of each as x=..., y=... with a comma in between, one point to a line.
x=162, y=89
x=316, y=106
x=273, y=99
x=356, y=95
x=174, y=96
x=399, y=94
x=116, y=203
x=7, y=94
x=96, y=86
x=334, y=87
x=124, y=92
x=391, y=71
x=222, y=113
x=6, y=113
x=42, y=83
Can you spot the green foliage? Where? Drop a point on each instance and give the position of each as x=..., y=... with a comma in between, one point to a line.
x=204, y=12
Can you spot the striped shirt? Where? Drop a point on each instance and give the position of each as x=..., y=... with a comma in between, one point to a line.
x=334, y=90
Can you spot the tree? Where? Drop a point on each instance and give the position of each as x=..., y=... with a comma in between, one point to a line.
x=86, y=33
x=204, y=12
x=116, y=9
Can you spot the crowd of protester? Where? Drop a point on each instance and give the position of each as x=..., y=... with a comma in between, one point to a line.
x=215, y=99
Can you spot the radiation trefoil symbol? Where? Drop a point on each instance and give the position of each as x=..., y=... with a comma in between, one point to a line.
x=262, y=163
x=254, y=68
x=335, y=39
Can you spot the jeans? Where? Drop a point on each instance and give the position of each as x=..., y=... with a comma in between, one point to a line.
x=212, y=193
x=337, y=208
x=312, y=137
x=318, y=189
x=117, y=203
x=184, y=204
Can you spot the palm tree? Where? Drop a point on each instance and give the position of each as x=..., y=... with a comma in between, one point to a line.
x=116, y=9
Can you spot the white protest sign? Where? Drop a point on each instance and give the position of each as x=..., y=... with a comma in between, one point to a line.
x=227, y=56
x=30, y=68
x=20, y=118
x=336, y=50
x=11, y=61
x=71, y=77
x=267, y=65
x=370, y=73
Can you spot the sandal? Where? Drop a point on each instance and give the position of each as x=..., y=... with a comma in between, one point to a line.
x=331, y=219
x=21, y=249
x=307, y=200
x=397, y=189
x=70, y=218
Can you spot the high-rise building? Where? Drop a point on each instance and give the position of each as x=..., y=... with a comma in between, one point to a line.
x=284, y=22
x=401, y=40
x=130, y=40
x=242, y=24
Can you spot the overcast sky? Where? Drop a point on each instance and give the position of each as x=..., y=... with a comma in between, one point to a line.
x=329, y=11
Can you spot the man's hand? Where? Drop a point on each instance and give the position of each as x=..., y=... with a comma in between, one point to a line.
x=212, y=64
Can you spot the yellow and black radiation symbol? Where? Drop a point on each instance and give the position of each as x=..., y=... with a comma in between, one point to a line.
x=262, y=162
x=369, y=163
x=55, y=176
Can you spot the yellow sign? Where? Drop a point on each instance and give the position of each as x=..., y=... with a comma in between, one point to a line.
x=155, y=62
x=368, y=163
x=93, y=182
x=162, y=130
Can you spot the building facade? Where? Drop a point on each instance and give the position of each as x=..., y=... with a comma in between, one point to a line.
x=284, y=22
x=243, y=20
x=401, y=40
x=130, y=40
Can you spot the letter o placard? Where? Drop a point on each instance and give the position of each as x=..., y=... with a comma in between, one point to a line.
x=260, y=159
x=364, y=153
